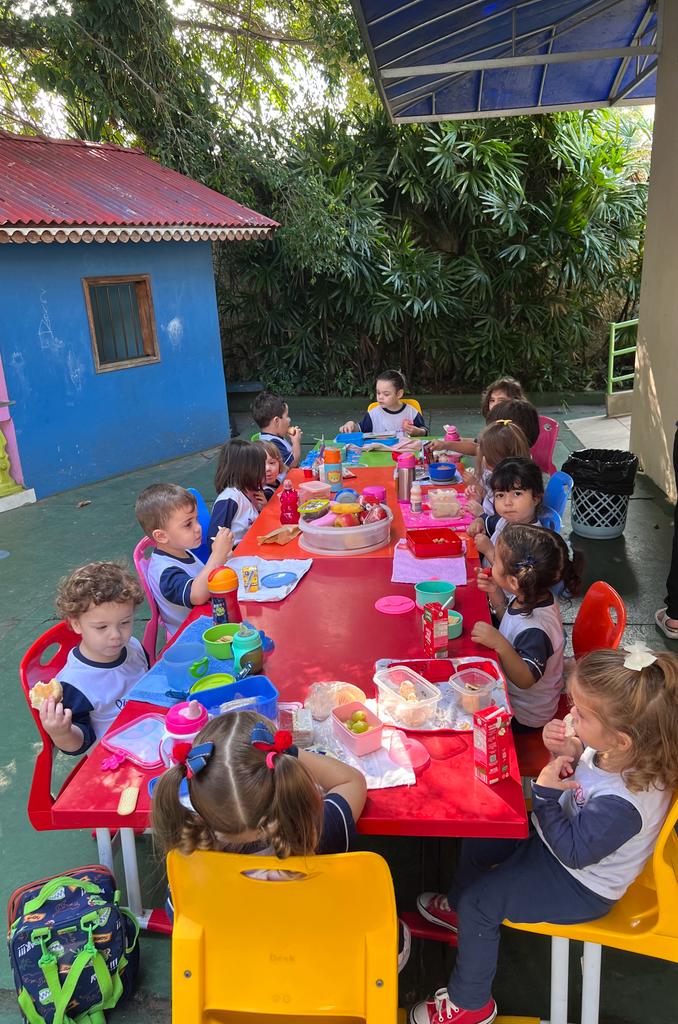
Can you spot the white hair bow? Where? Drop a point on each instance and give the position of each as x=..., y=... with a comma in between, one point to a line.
x=639, y=656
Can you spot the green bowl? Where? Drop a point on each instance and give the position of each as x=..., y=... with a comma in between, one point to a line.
x=433, y=590
x=212, y=681
x=221, y=651
x=455, y=624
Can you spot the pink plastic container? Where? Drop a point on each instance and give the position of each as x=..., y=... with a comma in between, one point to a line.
x=358, y=743
x=309, y=490
x=375, y=493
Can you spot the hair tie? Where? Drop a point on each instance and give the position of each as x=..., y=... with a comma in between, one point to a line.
x=638, y=656
x=273, y=744
x=505, y=423
x=526, y=563
x=192, y=758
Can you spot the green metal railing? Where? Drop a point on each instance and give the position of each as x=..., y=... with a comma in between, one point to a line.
x=614, y=352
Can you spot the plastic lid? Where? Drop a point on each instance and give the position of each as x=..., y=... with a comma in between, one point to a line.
x=180, y=723
x=332, y=455
x=375, y=491
x=394, y=604
x=222, y=580
x=406, y=751
x=406, y=461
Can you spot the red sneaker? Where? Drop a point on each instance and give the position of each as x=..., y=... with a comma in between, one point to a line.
x=435, y=908
x=440, y=1009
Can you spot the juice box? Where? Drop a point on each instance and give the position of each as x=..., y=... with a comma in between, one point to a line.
x=435, y=631
x=250, y=578
x=491, y=744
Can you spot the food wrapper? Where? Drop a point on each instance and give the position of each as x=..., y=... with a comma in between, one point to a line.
x=322, y=697
x=281, y=535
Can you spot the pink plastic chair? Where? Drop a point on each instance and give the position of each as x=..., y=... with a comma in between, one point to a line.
x=142, y=553
x=542, y=450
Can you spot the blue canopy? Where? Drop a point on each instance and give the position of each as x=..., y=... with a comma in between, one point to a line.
x=436, y=60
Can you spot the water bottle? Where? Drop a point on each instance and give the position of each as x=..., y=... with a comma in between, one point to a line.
x=222, y=584
x=289, y=504
x=406, y=464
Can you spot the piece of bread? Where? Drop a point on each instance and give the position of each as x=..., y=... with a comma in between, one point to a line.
x=42, y=692
x=568, y=722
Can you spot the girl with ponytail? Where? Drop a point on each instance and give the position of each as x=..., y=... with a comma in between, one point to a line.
x=528, y=561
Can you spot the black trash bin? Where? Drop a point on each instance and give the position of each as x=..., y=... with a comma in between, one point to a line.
x=604, y=479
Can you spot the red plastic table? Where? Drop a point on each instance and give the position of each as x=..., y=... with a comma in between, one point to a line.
x=329, y=629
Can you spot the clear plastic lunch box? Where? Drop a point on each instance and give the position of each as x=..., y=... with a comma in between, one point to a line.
x=405, y=697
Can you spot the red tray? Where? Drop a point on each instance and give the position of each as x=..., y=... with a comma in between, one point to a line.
x=434, y=543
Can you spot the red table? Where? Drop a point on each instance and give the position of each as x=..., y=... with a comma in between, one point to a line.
x=328, y=629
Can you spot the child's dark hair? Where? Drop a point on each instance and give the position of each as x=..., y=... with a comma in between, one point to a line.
x=518, y=411
x=499, y=441
x=512, y=387
x=522, y=473
x=237, y=793
x=94, y=584
x=394, y=377
x=242, y=465
x=538, y=558
x=265, y=407
x=157, y=503
x=643, y=703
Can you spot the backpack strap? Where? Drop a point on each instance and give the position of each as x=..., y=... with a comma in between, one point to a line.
x=49, y=888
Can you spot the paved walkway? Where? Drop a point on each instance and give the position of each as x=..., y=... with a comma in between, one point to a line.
x=48, y=539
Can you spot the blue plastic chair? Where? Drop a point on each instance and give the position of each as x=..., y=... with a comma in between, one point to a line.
x=558, y=490
x=203, y=551
x=551, y=520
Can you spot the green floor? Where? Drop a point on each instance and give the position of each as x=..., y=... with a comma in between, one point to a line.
x=48, y=539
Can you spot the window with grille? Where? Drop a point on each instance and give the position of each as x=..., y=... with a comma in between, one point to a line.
x=121, y=321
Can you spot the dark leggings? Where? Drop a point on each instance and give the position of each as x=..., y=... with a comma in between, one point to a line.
x=527, y=884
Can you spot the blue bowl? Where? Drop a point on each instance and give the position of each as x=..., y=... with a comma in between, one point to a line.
x=260, y=687
x=442, y=472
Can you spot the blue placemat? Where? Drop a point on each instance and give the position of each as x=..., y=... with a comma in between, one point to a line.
x=152, y=687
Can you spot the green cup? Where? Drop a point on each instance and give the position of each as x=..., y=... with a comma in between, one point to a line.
x=216, y=648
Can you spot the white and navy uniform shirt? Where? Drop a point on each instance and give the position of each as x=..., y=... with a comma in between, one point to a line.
x=96, y=692
x=284, y=446
x=495, y=524
x=170, y=579
x=538, y=638
x=601, y=832
x=488, y=496
x=383, y=421
x=234, y=510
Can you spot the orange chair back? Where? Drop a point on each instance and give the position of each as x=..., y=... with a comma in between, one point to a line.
x=600, y=621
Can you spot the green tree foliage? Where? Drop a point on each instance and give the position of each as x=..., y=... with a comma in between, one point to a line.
x=456, y=252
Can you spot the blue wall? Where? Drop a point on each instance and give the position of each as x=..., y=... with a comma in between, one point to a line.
x=74, y=425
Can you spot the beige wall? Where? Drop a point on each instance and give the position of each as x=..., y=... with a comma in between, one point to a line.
x=655, y=399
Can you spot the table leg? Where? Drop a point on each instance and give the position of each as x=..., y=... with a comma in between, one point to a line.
x=129, y=860
x=105, y=848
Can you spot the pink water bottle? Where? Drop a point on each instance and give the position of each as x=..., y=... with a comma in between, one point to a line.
x=289, y=503
x=451, y=433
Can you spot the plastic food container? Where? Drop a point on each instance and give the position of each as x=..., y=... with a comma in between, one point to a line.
x=406, y=697
x=310, y=489
x=434, y=543
x=332, y=540
x=218, y=639
x=455, y=625
x=442, y=472
x=444, y=504
x=358, y=743
x=434, y=590
x=375, y=493
x=258, y=687
x=473, y=688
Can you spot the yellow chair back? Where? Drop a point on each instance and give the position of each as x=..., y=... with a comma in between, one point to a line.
x=410, y=401
x=320, y=946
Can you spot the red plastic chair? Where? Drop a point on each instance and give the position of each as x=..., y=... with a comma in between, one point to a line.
x=142, y=553
x=543, y=448
x=599, y=625
x=38, y=665
x=600, y=621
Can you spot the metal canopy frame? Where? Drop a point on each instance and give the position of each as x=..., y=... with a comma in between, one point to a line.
x=491, y=58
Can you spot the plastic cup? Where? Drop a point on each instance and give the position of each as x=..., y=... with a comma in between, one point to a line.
x=176, y=662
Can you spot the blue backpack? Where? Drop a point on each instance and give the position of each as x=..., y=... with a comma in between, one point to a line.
x=74, y=951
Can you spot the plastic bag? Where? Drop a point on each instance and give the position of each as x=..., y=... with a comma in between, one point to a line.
x=603, y=469
x=322, y=697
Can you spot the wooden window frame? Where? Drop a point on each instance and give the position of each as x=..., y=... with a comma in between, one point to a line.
x=144, y=294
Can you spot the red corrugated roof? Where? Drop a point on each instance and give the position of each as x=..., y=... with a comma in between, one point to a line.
x=68, y=182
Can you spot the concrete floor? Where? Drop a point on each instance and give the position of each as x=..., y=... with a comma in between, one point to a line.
x=48, y=539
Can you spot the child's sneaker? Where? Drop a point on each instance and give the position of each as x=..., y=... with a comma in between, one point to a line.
x=404, y=944
x=441, y=1009
x=434, y=907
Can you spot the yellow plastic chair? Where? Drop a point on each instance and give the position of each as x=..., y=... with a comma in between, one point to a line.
x=644, y=921
x=322, y=946
x=410, y=401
